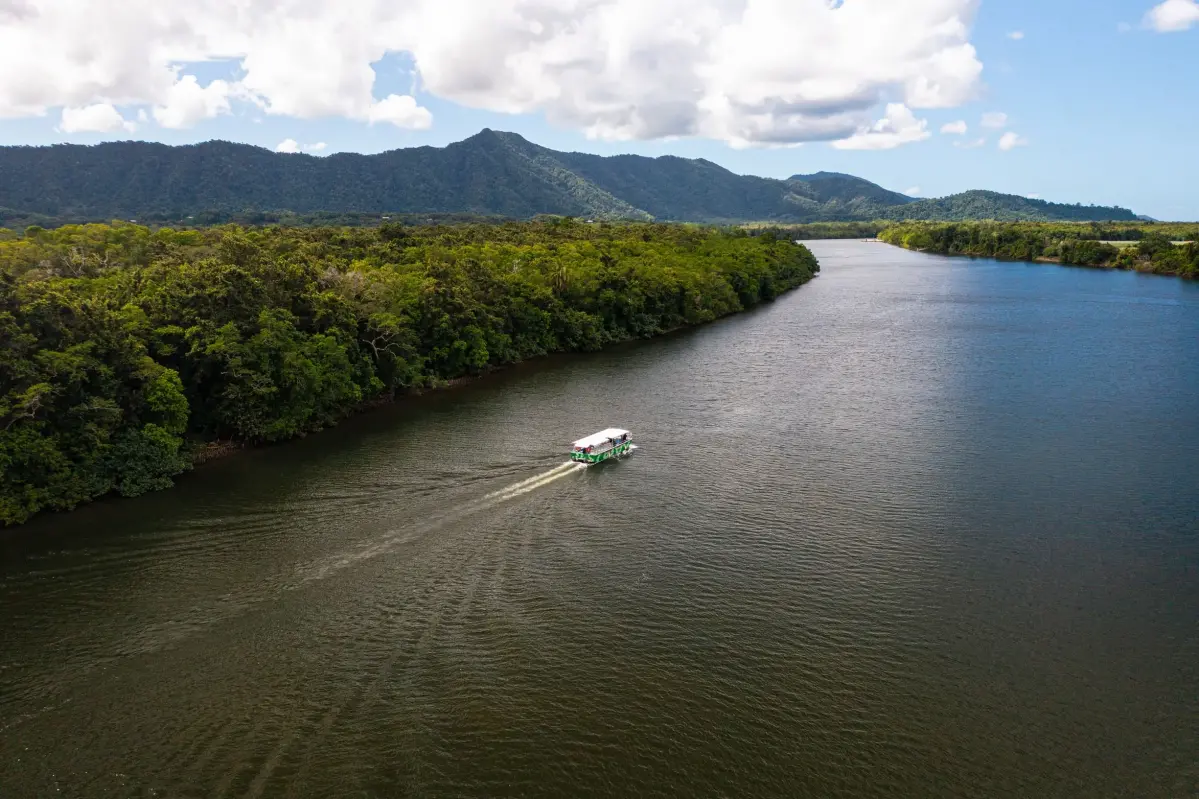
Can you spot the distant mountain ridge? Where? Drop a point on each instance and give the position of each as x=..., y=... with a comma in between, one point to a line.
x=490, y=173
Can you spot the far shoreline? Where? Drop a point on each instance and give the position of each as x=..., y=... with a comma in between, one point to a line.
x=1156, y=253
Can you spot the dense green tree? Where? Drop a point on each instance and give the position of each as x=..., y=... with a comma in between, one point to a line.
x=122, y=348
x=1146, y=248
x=83, y=409
x=820, y=230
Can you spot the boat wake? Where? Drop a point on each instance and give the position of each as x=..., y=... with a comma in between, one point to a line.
x=537, y=481
x=155, y=635
x=395, y=538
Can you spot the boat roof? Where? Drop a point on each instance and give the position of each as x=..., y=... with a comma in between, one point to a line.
x=600, y=437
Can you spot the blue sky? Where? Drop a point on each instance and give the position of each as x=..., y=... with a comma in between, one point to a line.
x=1106, y=107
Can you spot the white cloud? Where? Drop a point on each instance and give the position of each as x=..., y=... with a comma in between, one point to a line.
x=994, y=119
x=97, y=118
x=971, y=145
x=293, y=146
x=187, y=103
x=1033, y=196
x=1016, y=35
x=898, y=127
x=958, y=128
x=1173, y=15
x=402, y=111
x=1011, y=140
x=913, y=192
x=750, y=72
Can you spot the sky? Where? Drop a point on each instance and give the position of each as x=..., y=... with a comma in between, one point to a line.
x=1092, y=101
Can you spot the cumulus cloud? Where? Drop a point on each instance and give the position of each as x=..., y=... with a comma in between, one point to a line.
x=293, y=146
x=185, y=103
x=994, y=119
x=898, y=127
x=1011, y=140
x=400, y=110
x=1016, y=35
x=955, y=128
x=913, y=192
x=749, y=72
x=96, y=118
x=1173, y=15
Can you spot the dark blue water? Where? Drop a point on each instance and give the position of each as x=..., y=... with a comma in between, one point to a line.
x=924, y=527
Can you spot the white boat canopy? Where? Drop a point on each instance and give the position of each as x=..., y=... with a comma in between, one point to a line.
x=600, y=437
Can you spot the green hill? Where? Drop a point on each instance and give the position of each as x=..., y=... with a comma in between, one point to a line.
x=837, y=187
x=976, y=205
x=490, y=174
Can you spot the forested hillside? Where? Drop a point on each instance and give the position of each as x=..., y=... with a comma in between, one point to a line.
x=1143, y=247
x=839, y=186
x=489, y=174
x=124, y=349
x=989, y=205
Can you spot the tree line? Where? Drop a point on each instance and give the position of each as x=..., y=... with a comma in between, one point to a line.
x=818, y=230
x=1146, y=247
x=125, y=349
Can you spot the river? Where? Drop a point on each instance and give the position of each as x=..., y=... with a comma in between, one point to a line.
x=923, y=527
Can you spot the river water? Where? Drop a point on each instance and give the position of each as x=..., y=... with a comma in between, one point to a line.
x=924, y=527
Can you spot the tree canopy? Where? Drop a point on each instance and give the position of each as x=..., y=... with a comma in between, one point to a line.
x=1146, y=247
x=124, y=348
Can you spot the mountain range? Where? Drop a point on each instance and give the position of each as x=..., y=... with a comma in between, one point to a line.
x=490, y=173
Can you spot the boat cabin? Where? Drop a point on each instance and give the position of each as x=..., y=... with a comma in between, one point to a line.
x=601, y=446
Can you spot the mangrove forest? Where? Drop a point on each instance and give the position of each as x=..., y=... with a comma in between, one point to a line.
x=1160, y=248
x=128, y=350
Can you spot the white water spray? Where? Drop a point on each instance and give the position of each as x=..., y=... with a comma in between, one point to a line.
x=557, y=471
x=545, y=478
x=395, y=538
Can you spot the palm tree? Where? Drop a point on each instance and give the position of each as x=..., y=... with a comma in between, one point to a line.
x=560, y=277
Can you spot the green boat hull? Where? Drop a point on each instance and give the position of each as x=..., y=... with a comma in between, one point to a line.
x=597, y=457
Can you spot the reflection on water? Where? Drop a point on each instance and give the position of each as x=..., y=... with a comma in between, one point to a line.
x=924, y=527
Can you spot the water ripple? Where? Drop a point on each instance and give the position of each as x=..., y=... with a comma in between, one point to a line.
x=913, y=530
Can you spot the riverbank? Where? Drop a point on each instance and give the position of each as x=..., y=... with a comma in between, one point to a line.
x=204, y=452
x=140, y=353
x=1155, y=252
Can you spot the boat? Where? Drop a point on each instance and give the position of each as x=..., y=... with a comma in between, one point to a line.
x=602, y=446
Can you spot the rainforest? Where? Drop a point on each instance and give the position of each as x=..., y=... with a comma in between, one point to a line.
x=1165, y=248
x=128, y=352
